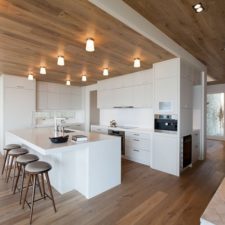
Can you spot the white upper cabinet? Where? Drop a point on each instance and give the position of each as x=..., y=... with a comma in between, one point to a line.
x=168, y=68
x=58, y=97
x=134, y=90
x=166, y=86
x=19, y=82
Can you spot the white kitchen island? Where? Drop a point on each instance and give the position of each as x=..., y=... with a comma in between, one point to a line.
x=90, y=167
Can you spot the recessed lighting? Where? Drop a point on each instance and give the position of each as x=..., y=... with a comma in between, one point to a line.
x=198, y=7
x=90, y=45
x=68, y=83
x=60, y=61
x=137, y=63
x=42, y=70
x=84, y=78
x=105, y=72
x=30, y=77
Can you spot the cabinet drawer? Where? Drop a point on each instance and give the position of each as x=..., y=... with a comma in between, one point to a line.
x=141, y=144
x=137, y=135
x=137, y=155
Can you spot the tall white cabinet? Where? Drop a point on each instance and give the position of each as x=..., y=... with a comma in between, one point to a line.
x=17, y=103
x=52, y=96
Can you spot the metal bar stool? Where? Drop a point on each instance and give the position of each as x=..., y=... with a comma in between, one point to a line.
x=13, y=154
x=35, y=169
x=8, y=148
x=21, y=162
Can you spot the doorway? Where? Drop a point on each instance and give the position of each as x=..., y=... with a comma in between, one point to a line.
x=94, y=111
x=215, y=115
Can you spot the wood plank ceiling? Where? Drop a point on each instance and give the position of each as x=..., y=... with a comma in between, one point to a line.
x=34, y=32
x=201, y=34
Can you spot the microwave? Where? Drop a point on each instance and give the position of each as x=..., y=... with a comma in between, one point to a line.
x=166, y=122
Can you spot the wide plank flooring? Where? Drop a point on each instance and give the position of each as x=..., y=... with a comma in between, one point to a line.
x=145, y=197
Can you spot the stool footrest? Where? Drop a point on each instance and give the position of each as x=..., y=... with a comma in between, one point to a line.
x=36, y=200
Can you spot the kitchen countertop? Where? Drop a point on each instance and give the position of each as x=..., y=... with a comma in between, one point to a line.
x=136, y=129
x=214, y=214
x=39, y=137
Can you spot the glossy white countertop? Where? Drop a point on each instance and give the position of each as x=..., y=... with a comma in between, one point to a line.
x=136, y=129
x=214, y=214
x=40, y=137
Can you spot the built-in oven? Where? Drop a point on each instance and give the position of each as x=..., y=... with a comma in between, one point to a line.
x=120, y=134
x=165, y=122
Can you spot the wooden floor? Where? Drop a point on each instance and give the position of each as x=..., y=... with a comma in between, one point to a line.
x=145, y=197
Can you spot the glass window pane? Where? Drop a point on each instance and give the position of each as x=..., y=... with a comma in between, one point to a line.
x=215, y=114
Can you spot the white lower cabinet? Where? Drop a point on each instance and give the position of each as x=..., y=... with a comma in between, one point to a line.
x=195, y=145
x=165, y=153
x=138, y=147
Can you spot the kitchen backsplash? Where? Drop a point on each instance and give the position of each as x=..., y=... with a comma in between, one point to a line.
x=132, y=117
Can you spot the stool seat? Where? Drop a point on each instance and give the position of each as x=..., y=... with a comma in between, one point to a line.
x=11, y=146
x=38, y=167
x=27, y=158
x=18, y=151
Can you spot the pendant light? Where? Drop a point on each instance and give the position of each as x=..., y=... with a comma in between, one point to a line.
x=84, y=78
x=68, y=83
x=60, y=61
x=137, y=63
x=105, y=72
x=30, y=76
x=42, y=70
x=90, y=45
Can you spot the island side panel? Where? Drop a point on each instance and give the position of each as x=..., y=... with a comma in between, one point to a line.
x=104, y=166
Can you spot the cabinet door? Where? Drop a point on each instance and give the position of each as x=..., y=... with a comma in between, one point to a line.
x=142, y=96
x=166, y=69
x=42, y=100
x=105, y=99
x=76, y=101
x=19, y=82
x=122, y=97
x=65, y=101
x=186, y=94
x=53, y=101
x=19, y=104
x=165, y=153
x=166, y=90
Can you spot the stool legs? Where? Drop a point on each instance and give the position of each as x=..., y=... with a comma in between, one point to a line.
x=35, y=179
x=17, y=179
x=4, y=163
x=50, y=190
x=33, y=197
x=10, y=168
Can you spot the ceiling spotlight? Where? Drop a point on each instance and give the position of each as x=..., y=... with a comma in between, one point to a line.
x=198, y=7
x=90, y=45
x=60, y=61
x=84, y=78
x=105, y=72
x=68, y=83
x=42, y=70
x=30, y=77
x=137, y=63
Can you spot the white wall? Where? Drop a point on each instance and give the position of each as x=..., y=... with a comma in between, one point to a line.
x=132, y=117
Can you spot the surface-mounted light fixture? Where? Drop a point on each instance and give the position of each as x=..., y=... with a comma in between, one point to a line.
x=198, y=7
x=68, y=83
x=137, y=62
x=105, y=72
x=30, y=76
x=90, y=45
x=42, y=70
x=60, y=61
x=84, y=78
